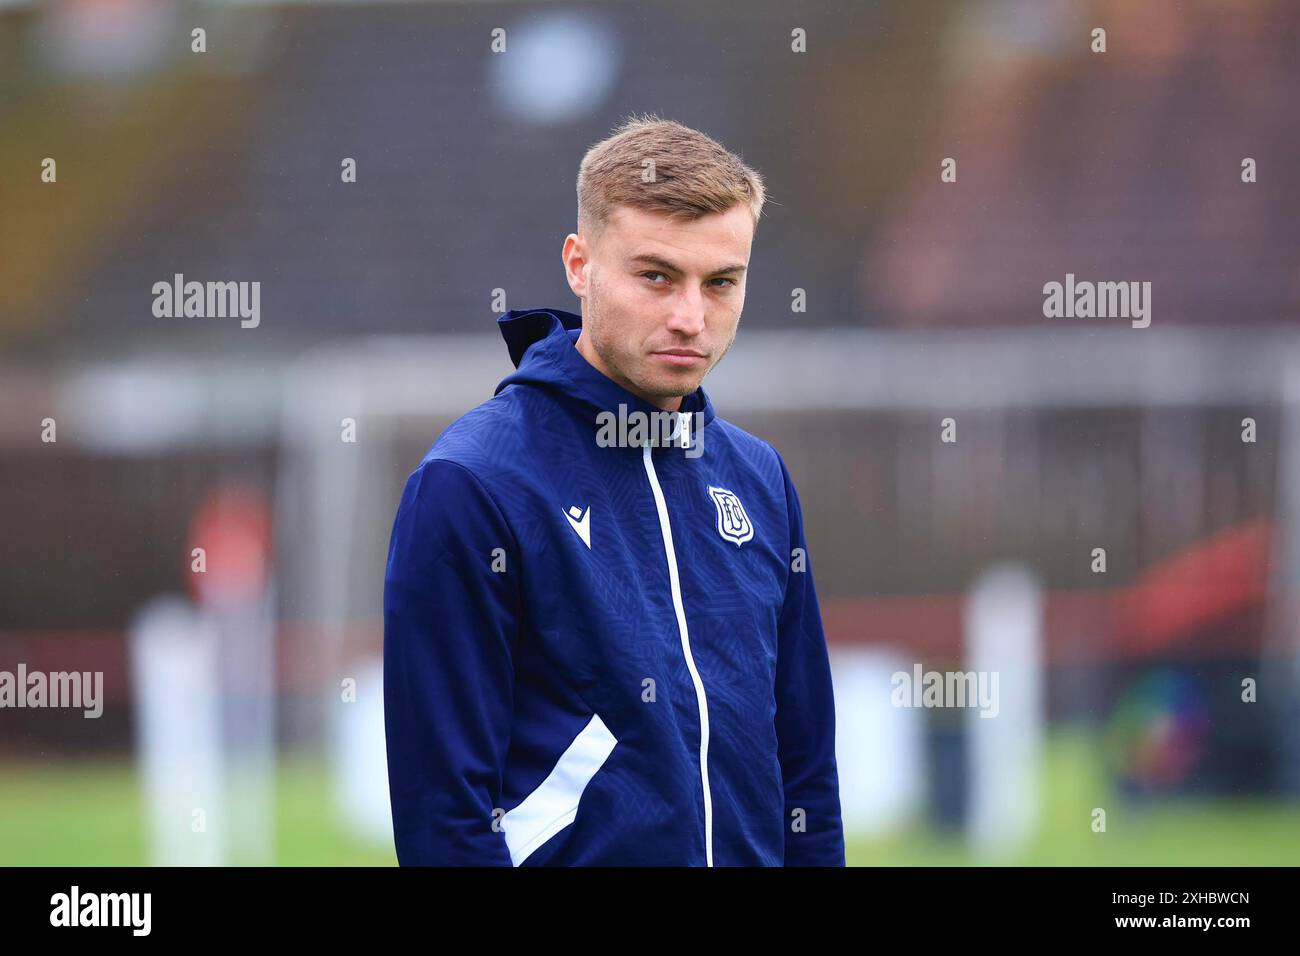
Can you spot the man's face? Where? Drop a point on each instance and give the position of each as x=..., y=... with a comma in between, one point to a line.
x=661, y=299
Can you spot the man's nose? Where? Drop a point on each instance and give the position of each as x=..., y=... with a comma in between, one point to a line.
x=687, y=317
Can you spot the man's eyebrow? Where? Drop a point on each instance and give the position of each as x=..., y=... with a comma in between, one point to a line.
x=661, y=263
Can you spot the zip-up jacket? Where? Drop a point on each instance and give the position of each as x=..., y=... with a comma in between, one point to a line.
x=601, y=650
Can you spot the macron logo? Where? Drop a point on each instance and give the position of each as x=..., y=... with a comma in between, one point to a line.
x=581, y=522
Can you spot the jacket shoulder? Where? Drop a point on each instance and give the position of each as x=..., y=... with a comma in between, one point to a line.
x=758, y=453
x=488, y=439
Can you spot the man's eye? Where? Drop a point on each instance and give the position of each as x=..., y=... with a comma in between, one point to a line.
x=724, y=279
x=648, y=274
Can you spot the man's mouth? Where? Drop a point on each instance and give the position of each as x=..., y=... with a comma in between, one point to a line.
x=680, y=358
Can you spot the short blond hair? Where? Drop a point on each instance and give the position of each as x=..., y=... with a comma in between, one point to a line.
x=694, y=175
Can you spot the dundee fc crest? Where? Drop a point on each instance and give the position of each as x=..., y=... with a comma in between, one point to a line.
x=733, y=522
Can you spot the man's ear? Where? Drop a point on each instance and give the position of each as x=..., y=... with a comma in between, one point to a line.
x=576, y=261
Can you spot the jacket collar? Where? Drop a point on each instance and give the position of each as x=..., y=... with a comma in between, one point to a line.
x=542, y=344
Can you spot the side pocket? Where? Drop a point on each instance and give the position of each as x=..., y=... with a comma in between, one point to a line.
x=554, y=804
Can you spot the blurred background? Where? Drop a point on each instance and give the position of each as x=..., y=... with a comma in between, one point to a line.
x=200, y=511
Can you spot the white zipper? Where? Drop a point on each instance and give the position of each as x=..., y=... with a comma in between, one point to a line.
x=700, y=699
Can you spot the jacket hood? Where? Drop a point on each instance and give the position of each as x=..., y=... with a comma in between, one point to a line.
x=542, y=345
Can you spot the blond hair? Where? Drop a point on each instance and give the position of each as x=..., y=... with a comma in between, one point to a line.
x=693, y=175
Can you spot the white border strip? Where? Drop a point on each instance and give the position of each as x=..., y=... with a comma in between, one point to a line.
x=554, y=804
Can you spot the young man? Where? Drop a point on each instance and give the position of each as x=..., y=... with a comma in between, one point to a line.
x=600, y=646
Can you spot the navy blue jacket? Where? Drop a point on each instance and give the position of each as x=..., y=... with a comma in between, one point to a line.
x=603, y=654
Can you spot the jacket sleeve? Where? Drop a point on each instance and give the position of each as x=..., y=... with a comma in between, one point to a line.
x=451, y=612
x=805, y=711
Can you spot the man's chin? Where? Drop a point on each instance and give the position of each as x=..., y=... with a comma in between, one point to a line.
x=665, y=393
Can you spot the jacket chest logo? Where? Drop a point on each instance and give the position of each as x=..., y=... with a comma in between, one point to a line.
x=733, y=522
x=580, y=522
